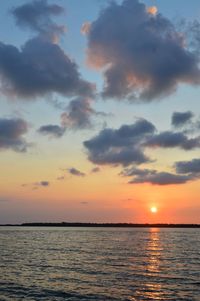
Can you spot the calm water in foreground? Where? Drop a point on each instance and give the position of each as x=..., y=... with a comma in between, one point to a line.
x=57, y=264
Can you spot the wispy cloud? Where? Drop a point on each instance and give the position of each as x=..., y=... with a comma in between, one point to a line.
x=95, y=169
x=85, y=28
x=36, y=16
x=52, y=130
x=37, y=185
x=78, y=114
x=154, y=177
x=75, y=172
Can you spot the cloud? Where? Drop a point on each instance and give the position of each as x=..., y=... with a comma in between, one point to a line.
x=78, y=114
x=52, y=130
x=154, y=177
x=161, y=178
x=36, y=16
x=39, y=68
x=121, y=146
x=43, y=183
x=95, y=169
x=152, y=10
x=185, y=171
x=4, y=200
x=84, y=202
x=188, y=167
x=170, y=139
x=75, y=172
x=85, y=28
x=11, y=134
x=180, y=119
x=133, y=171
x=116, y=156
x=142, y=55
x=127, y=144
x=61, y=178
x=37, y=185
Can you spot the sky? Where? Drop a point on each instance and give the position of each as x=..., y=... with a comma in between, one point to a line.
x=100, y=113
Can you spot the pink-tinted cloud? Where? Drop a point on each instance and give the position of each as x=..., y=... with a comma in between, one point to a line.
x=85, y=28
x=152, y=10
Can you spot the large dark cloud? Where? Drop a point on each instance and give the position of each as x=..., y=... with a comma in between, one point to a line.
x=155, y=177
x=11, y=134
x=52, y=130
x=141, y=53
x=36, y=15
x=180, y=119
x=170, y=139
x=121, y=146
x=187, y=167
x=40, y=66
x=126, y=146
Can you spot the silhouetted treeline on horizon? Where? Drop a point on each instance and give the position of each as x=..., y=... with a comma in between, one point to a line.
x=122, y=225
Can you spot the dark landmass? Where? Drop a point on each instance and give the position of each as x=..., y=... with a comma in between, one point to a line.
x=110, y=225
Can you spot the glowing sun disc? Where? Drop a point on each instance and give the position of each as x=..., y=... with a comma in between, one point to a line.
x=154, y=209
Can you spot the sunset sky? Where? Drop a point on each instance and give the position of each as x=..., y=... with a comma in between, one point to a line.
x=100, y=112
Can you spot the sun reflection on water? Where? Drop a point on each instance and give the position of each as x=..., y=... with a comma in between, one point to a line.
x=153, y=249
x=152, y=290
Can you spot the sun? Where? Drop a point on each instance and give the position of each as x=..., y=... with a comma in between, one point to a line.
x=154, y=209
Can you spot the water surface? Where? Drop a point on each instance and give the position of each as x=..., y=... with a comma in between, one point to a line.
x=57, y=264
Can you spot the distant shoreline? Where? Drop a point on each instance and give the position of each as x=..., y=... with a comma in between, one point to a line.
x=101, y=225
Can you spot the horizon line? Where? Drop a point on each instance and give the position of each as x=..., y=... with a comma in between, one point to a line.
x=103, y=224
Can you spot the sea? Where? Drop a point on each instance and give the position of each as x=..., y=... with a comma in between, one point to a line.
x=57, y=264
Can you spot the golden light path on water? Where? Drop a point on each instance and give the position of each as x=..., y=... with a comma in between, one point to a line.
x=152, y=290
